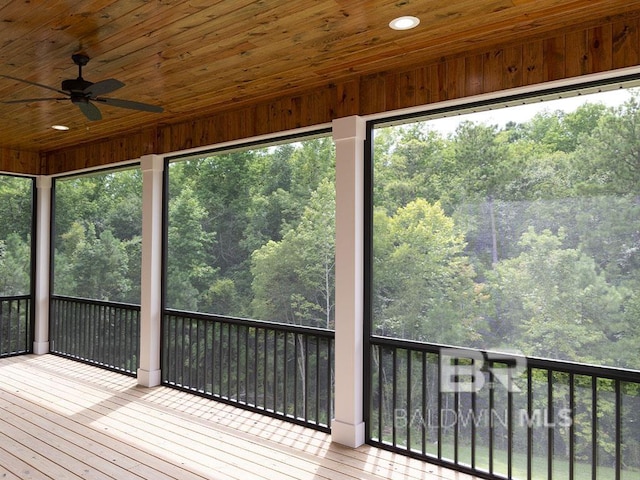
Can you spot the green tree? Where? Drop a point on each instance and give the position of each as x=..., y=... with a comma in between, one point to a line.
x=294, y=279
x=423, y=283
x=189, y=272
x=15, y=206
x=608, y=161
x=409, y=164
x=15, y=235
x=553, y=302
x=92, y=266
x=15, y=266
x=561, y=131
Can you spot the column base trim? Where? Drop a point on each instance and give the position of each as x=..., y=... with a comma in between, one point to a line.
x=347, y=434
x=148, y=378
x=41, y=348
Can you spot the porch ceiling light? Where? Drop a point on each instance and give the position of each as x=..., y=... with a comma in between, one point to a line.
x=404, y=23
x=60, y=128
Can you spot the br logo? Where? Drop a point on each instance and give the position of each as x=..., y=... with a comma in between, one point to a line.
x=469, y=371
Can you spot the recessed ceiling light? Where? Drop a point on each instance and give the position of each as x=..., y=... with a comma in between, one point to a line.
x=404, y=23
x=60, y=128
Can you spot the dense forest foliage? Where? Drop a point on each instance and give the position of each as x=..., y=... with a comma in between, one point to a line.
x=16, y=201
x=524, y=236
x=251, y=234
x=97, y=236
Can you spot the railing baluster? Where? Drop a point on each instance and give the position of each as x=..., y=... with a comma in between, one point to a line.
x=381, y=404
x=229, y=361
x=90, y=339
x=14, y=323
x=265, y=370
x=285, y=376
x=317, y=399
x=594, y=428
x=408, y=414
x=618, y=427
x=14, y=327
x=17, y=346
x=201, y=356
x=7, y=333
x=572, y=428
x=439, y=427
x=246, y=365
x=550, y=437
x=394, y=383
x=176, y=347
x=509, y=425
x=215, y=365
x=491, y=410
x=306, y=378
x=424, y=420
x=208, y=355
x=255, y=366
x=456, y=426
x=74, y=329
x=108, y=315
x=3, y=348
x=330, y=356
x=473, y=428
x=530, y=426
x=88, y=314
x=295, y=374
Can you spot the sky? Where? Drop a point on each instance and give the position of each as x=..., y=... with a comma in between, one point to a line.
x=523, y=113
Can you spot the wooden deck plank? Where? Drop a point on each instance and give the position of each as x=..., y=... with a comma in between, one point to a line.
x=36, y=453
x=64, y=419
x=12, y=466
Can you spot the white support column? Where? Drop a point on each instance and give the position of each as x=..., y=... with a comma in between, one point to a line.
x=151, y=299
x=43, y=253
x=347, y=428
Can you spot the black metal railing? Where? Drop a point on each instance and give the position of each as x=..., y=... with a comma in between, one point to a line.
x=503, y=416
x=101, y=333
x=16, y=333
x=277, y=369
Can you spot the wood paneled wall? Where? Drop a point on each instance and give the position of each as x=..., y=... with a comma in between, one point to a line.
x=15, y=161
x=606, y=45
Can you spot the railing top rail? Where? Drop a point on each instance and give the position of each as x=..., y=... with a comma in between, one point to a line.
x=285, y=327
x=92, y=301
x=563, y=366
x=7, y=298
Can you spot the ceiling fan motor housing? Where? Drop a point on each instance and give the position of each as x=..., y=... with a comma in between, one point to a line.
x=77, y=85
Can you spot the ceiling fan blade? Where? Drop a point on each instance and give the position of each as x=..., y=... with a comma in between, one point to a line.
x=103, y=87
x=145, y=107
x=33, y=83
x=90, y=110
x=29, y=100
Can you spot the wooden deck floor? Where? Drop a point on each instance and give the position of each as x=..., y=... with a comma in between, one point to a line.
x=61, y=419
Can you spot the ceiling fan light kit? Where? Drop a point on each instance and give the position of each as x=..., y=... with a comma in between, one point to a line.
x=83, y=93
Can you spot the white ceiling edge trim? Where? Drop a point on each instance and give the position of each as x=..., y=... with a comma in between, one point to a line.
x=241, y=143
x=537, y=92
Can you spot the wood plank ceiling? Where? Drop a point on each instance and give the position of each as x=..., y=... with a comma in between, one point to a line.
x=197, y=57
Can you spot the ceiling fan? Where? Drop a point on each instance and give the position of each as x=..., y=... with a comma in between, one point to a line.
x=82, y=92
